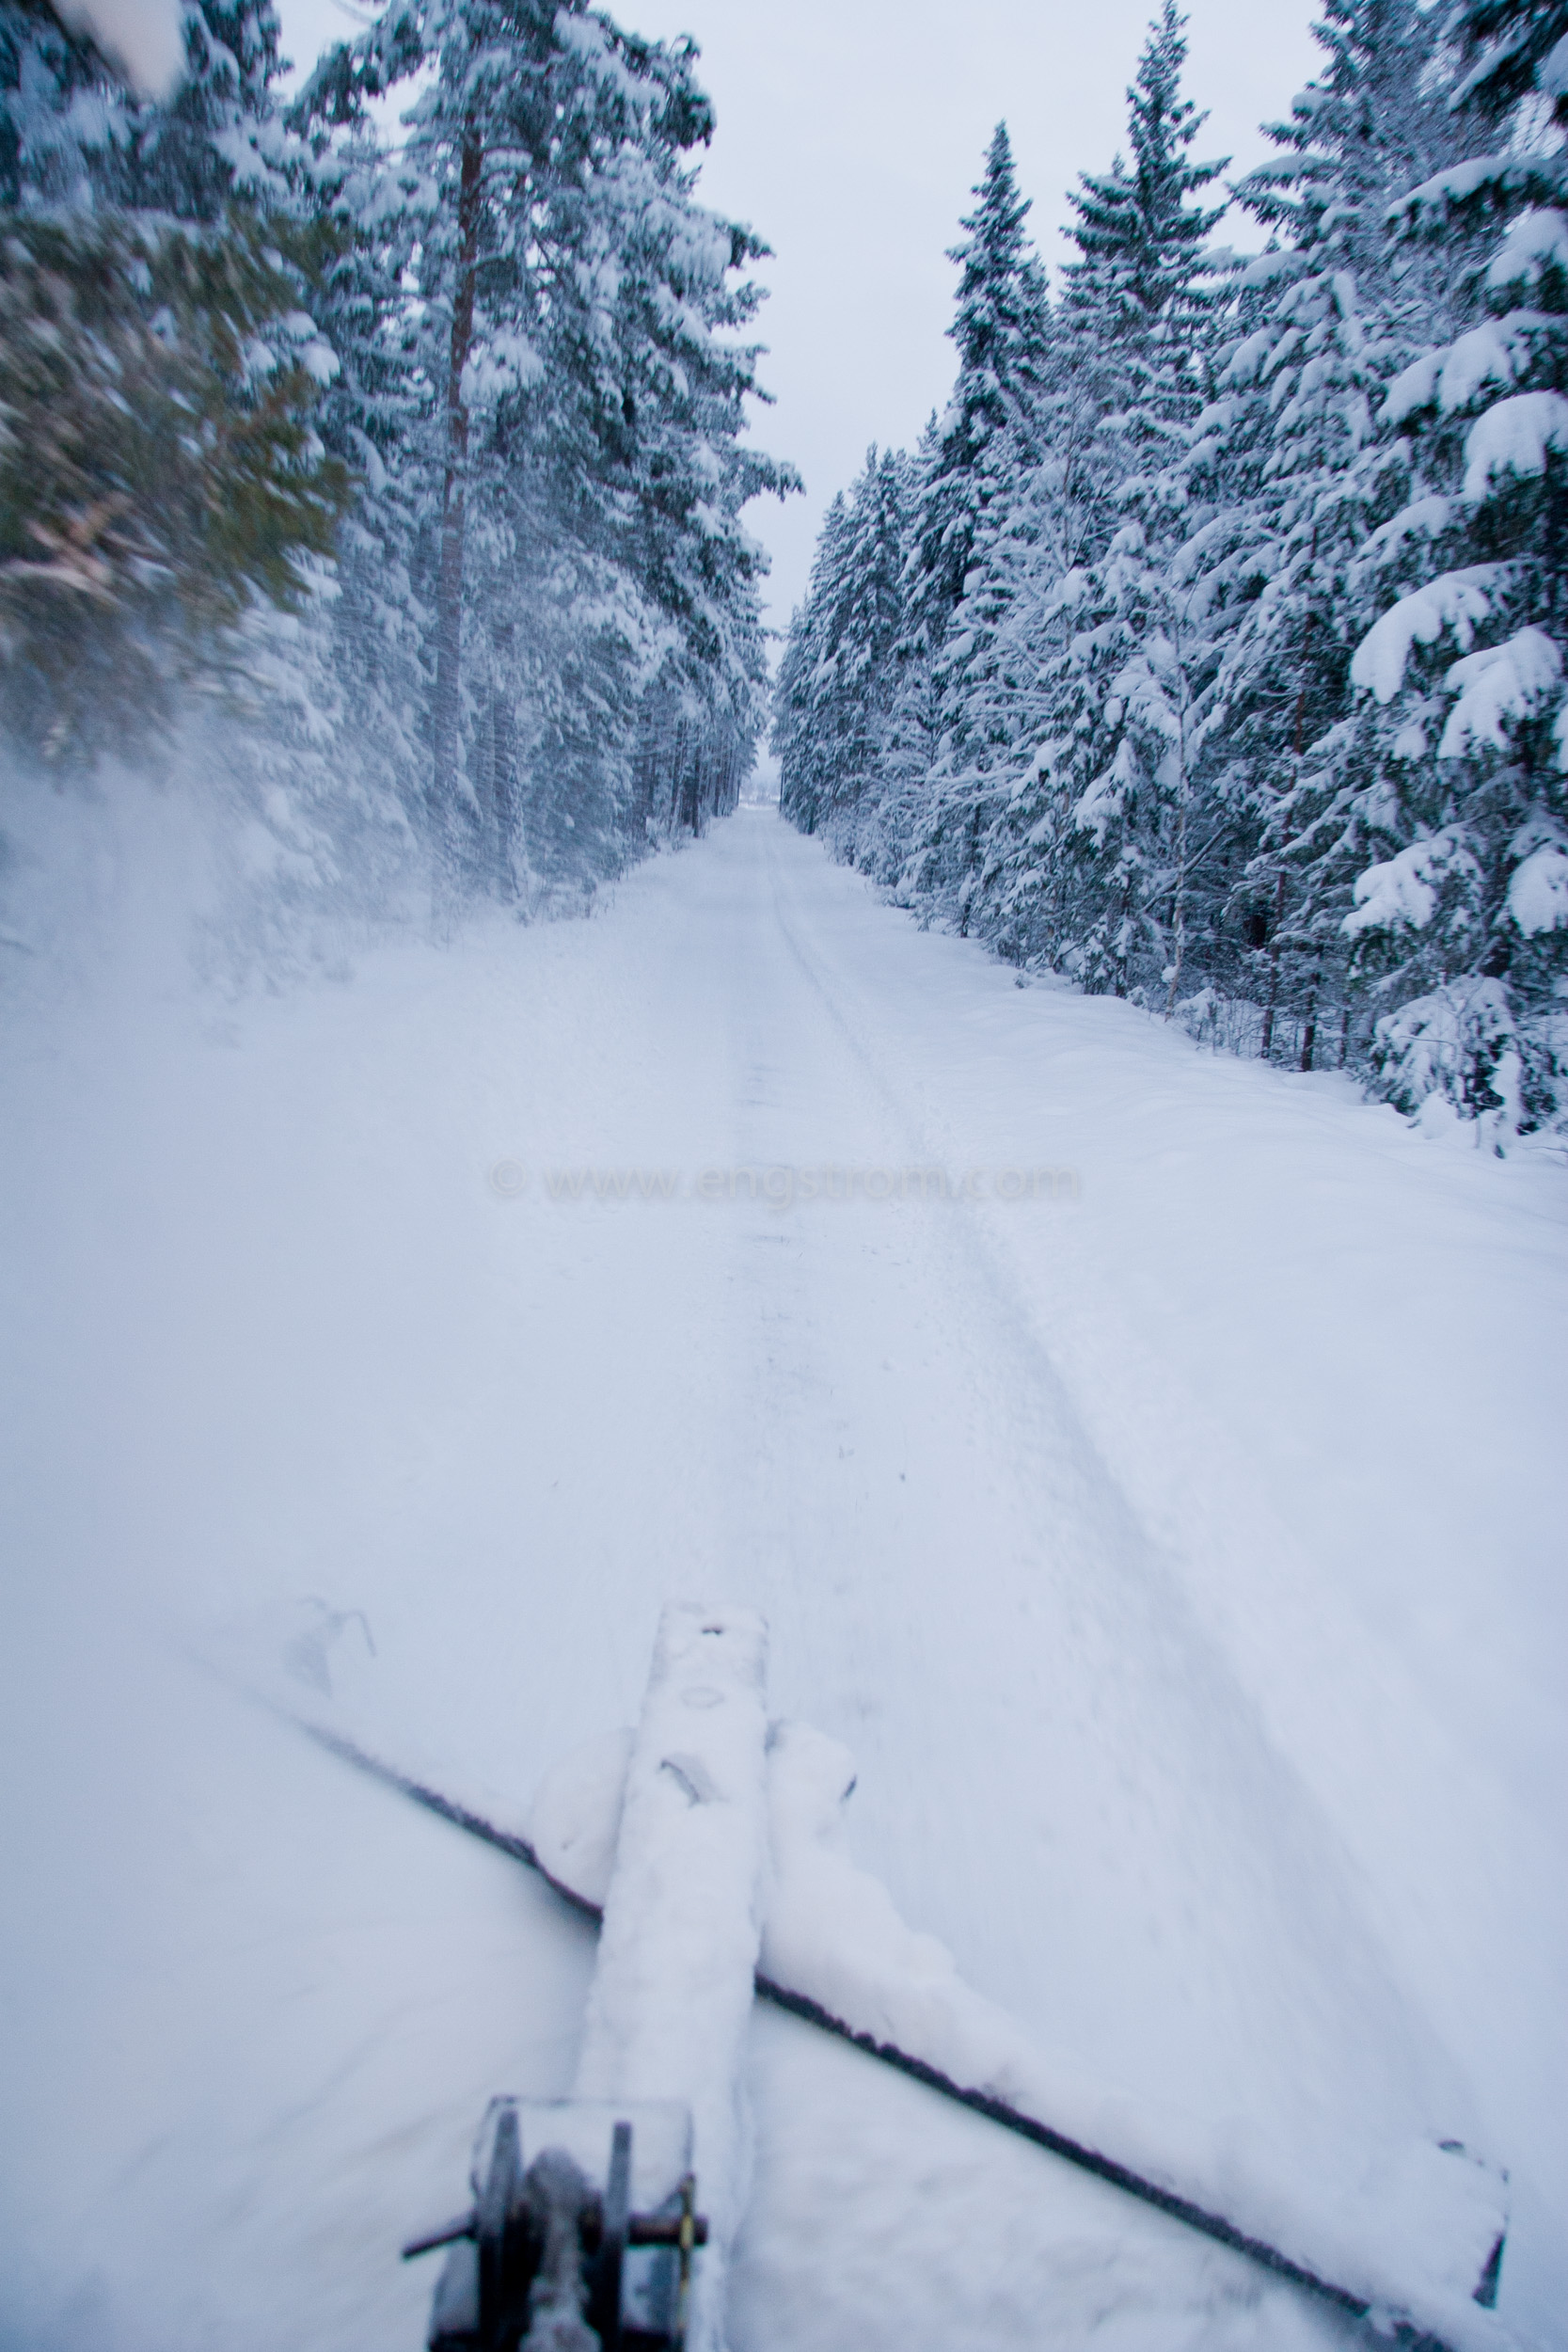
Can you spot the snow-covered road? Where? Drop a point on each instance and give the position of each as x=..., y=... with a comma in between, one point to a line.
x=1165, y=1508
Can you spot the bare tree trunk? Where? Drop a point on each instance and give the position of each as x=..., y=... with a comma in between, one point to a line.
x=1280, y=892
x=1179, y=929
x=503, y=759
x=1274, y=964
x=972, y=839
x=446, y=705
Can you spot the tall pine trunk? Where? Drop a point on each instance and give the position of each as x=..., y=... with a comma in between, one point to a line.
x=446, y=710
x=1178, y=896
x=504, y=758
x=1276, y=930
x=1276, y=941
x=1178, y=925
x=1309, y=1035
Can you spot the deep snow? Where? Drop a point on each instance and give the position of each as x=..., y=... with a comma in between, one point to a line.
x=1175, y=1547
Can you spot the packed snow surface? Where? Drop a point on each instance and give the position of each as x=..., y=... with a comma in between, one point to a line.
x=1147, y=1464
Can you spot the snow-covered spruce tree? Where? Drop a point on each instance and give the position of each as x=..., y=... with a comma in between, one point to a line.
x=669, y=472
x=1461, y=915
x=303, y=748
x=624, y=533
x=999, y=327
x=1297, y=472
x=839, y=672
x=153, y=483
x=956, y=589
x=1124, y=704
x=876, y=632
x=1143, y=280
x=1047, y=507
x=805, y=716
x=981, y=670
x=894, y=809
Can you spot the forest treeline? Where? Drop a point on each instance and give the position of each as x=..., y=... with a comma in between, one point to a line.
x=397, y=427
x=1208, y=650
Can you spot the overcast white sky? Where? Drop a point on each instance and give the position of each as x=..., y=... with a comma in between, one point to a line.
x=850, y=133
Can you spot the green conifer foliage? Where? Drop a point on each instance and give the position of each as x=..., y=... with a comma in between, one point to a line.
x=1460, y=914
x=159, y=467
x=999, y=327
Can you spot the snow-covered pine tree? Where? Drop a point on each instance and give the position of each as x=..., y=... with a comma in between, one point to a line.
x=671, y=474
x=1124, y=702
x=805, y=736
x=982, y=442
x=1461, y=914
x=582, y=483
x=839, y=672
x=999, y=327
x=1048, y=508
x=1142, y=283
x=623, y=529
x=1321, y=324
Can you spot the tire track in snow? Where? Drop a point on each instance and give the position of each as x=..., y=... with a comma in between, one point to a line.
x=1060, y=1772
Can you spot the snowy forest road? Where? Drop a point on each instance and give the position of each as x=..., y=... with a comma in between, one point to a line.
x=1162, y=1508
